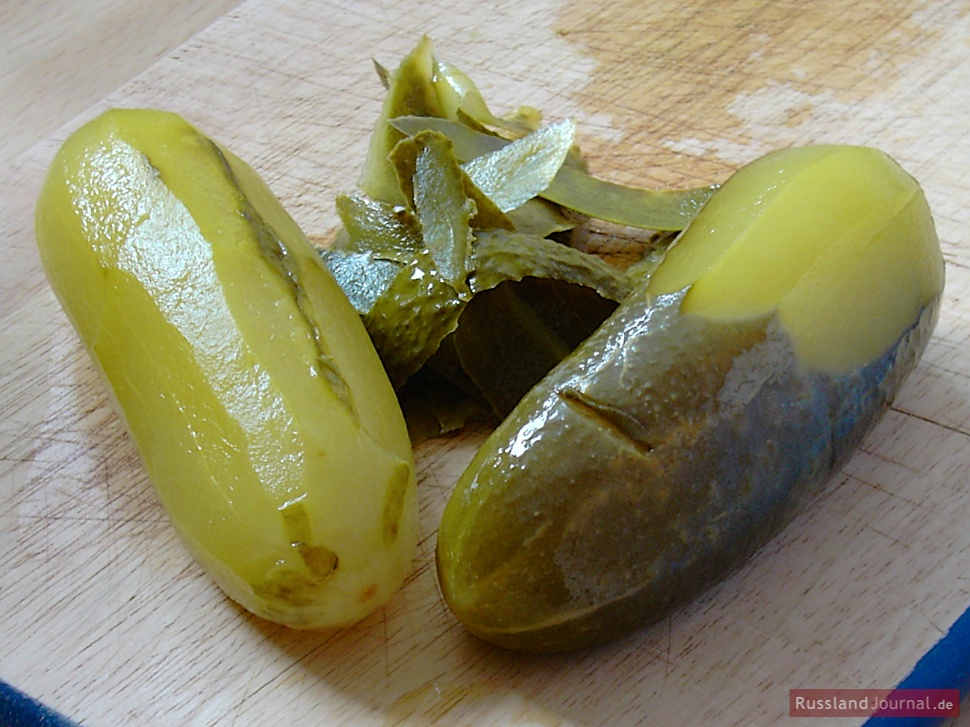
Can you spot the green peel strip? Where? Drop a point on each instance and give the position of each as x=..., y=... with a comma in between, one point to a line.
x=573, y=188
x=451, y=251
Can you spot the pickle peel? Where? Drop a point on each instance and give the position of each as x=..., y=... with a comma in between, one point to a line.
x=454, y=201
x=262, y=413
x=678, y=439
x=573, y=187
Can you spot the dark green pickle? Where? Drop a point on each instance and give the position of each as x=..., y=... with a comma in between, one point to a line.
x=703, y=415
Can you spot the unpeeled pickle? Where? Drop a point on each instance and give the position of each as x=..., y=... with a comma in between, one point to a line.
x=693, y=425
x=247, y=382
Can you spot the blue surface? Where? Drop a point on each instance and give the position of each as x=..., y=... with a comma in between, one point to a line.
x=19, y=710
x=945, y=666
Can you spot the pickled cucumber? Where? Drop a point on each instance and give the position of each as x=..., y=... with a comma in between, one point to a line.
x=246, y=380
x=704, y=413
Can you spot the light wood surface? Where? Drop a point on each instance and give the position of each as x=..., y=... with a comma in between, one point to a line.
x=102, y=613
x=58, y=58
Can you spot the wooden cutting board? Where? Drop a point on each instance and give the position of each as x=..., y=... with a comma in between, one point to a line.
x=104, y=616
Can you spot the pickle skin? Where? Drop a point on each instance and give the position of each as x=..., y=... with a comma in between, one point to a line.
x=246, y=380
x=673, y=444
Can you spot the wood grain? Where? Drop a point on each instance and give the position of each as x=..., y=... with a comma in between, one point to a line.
x=104, y=616
x=56, y=59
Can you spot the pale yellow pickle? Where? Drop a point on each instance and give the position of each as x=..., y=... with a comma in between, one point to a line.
x=247, y=382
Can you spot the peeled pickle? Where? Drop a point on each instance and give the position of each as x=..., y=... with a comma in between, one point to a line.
x=249, y=386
